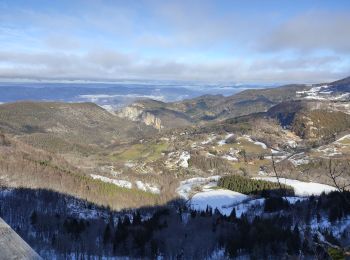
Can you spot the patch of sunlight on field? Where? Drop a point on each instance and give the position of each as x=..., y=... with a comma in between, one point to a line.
x=242, y=144
x=145, y=152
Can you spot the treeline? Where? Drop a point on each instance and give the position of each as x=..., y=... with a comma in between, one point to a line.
x=256, y=187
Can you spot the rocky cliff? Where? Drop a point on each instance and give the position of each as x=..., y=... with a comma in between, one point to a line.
x=137, y=112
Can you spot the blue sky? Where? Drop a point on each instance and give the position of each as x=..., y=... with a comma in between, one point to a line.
x=216, y=41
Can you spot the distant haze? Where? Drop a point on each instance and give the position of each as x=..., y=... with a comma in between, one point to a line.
x=112, y=95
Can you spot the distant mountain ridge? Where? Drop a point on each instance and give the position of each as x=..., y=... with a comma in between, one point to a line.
x=218, y=107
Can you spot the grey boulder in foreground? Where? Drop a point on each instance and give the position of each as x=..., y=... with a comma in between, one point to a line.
x=12, y=246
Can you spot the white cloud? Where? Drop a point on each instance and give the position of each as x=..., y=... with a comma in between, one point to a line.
x=177, y=40
x=111, y=65
x=311, y=31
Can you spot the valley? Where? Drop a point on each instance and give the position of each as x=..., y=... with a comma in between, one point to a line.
x=172, y=159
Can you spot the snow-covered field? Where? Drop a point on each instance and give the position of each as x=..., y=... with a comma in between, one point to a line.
x=301, y=188
x=219, y=198
x=205, y=193
x=186, y=187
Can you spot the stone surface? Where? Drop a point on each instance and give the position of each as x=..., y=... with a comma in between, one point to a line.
x=12, y=246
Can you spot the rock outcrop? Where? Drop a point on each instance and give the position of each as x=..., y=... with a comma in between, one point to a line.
x=136, y=112
x=12, y=246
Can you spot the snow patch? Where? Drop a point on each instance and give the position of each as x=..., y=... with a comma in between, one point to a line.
x=209, y=140
x=261, y=144
x=343, y=138
x=299, y=159
x=292, y=143
x=301, y=188
x=220, y=199
x=321, y=93
x=147, y=187
x=120, y=183
x=229, y=157
x=185, y=188
x=223, y=141
x=183, y=160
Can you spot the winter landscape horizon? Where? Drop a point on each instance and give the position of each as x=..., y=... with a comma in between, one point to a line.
x=174, y=129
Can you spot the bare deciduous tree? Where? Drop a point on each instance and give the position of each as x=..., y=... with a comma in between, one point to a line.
x=339, y=173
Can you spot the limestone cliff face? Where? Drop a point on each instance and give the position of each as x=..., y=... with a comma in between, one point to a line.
x=136, y=112
x=131, y=112
x=152, y=120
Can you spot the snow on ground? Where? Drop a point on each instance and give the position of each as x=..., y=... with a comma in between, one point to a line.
x=262, y=172
x=218, y=254
x=301, y=188
x=229, y=157
x=120, y=183
x=249, y=139
x=292, y=143
x=299, y=159
x=293, y=200
x=314, y=93
x=274, y=151
x=209, y=140
x=248, y=206
x=336, y=228
x=261, y=144
x=183, y=160
x=328, y=151
x=219, y=198
x=147, y=187
x=223, y=141
x=129, y=164
x=244, y=207
x=321, y=93
x=77, y=209
x=4, y=192
x=210, y=154
x=225, y=200
x=185, y=188
x=345, y=137
x=342, y=96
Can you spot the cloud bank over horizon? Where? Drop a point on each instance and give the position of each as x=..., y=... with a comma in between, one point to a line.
x=216, y=41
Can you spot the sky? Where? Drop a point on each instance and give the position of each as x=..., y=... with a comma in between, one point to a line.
x=206, y=41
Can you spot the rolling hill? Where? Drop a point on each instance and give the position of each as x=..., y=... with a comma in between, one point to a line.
x=65, y=127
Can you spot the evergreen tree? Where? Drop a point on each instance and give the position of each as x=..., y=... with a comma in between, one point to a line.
x=107, y=235
x=232, y=216
x=33, y=218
